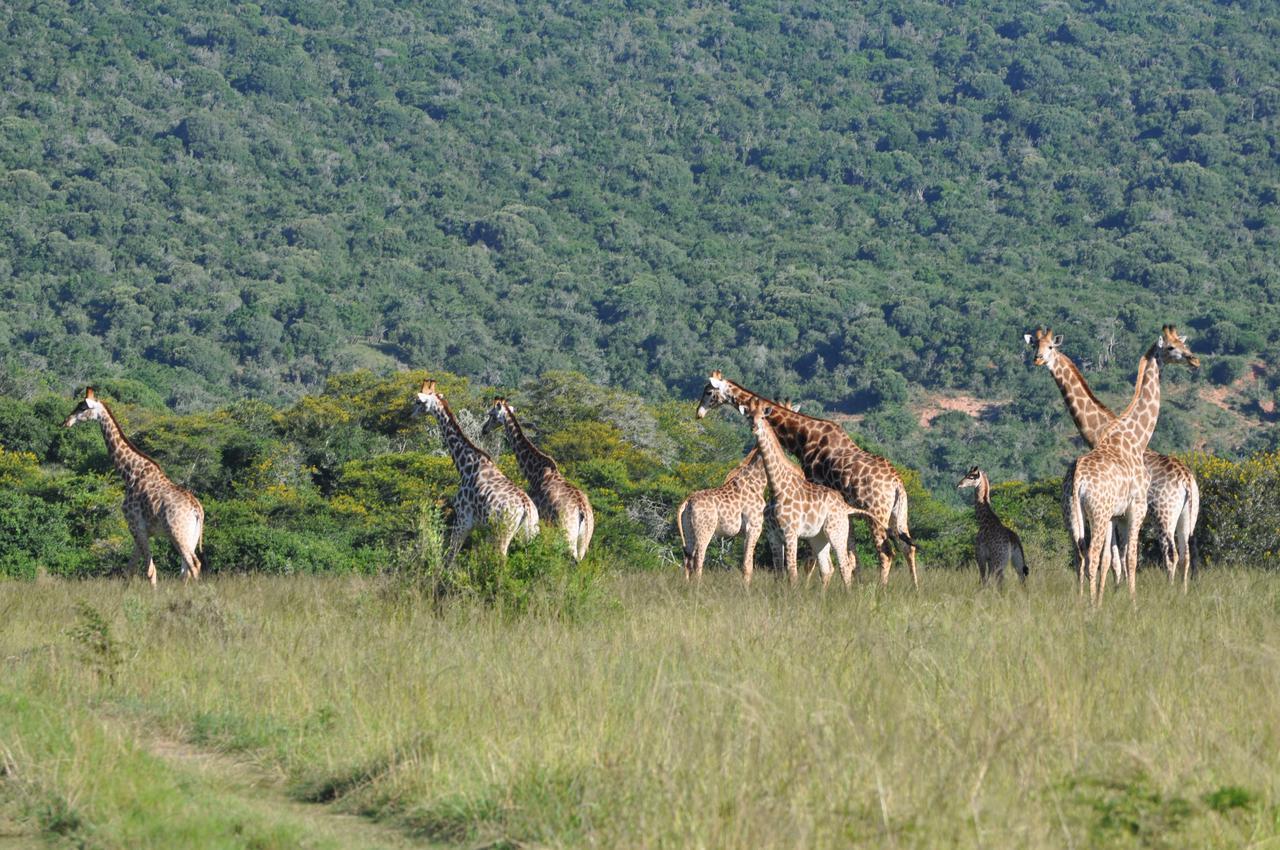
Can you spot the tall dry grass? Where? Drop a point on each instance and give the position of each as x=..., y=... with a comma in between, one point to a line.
x=711, y=716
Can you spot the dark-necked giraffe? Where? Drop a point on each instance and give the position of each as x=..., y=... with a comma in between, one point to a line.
x=153, y=505
x=558, y=501
x=996, y=545
x=1174, y=495
x=1111, y=481
x=802, y=509
x=828, y=456
x=485, y=495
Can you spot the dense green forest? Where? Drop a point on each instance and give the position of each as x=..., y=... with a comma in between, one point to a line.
x=860, y=205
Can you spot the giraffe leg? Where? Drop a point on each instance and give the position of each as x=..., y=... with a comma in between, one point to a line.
x=822, y=553
x=140, y=548
x=839, y=536
x=190, y=564
x=700, y=554
x=1139, y=513
x=1184, y=549
x=881, y=542
x=1099, y=543
x=457, y=536
x=790, y=545
x=749, y=547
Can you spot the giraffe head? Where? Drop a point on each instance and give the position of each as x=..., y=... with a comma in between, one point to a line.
x=757, y=410
x=971, y=479
x=1045, y=344
x=498, y=414
x=88, y=408
x=428, y=400
x=714, y=394
x=1173, y=348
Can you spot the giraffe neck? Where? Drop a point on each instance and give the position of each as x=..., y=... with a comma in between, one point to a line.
x=463, y=451
x=749, y=471
x=1091, y=416
x=132, y=464
x=790, y=427
x=778, y=468
x=1134, y=427
x=982, y=499
x=532, y=461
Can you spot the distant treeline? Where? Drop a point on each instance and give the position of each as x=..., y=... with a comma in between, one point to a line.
x=843, y=202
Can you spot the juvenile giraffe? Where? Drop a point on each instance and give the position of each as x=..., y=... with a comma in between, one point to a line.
x=828, y=456
x=1111, y=480
x=996, y=545
x=558, y=501
x=735, y=507
x=1174, y=495
x=485, y=495
x=802, y=508
x=153, y=505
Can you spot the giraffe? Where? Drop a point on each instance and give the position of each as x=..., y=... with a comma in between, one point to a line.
x=802, y=508
x=558, y=501
x=153, y=505
x=1174, y=494
x=737, y=506
x=1111, y=480
x=485, y=495
x=996, y=544
x=828, y=456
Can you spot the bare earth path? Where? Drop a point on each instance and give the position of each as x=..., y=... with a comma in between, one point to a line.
x=262, y=792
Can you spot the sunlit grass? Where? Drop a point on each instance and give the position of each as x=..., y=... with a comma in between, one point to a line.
x=710, y=716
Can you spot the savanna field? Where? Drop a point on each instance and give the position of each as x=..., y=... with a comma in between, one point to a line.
x=626, y=710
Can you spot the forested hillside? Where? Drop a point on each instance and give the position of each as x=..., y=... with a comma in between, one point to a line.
x=861, y=205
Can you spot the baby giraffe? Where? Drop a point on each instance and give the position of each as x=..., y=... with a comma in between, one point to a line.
x=153, y=505
x=997, y=545
x=802, y=508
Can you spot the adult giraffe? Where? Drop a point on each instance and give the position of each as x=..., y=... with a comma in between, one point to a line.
x=829, y=457
x=485, y=495
x=1111, y=481
x=153, y=505
x=558, y=501
x=1174, y=495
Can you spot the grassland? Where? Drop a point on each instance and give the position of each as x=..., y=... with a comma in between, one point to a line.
x=658, y=715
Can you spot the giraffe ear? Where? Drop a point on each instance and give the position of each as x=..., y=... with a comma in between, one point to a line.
x=768, y=410
x=1057, y=339
x=1026, y=338
x=716, y=374
x=742, y=408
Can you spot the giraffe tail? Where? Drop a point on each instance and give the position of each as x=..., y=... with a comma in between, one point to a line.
x=1020, y=557
x=897, y=529
x=684, y=542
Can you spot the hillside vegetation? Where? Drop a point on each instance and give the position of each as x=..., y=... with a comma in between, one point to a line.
x=863, y=205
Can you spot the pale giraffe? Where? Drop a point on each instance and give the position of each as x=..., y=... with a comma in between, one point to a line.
x=802, y=508
x=558, y=501
x=485, y=495
x=828, y=456
x=1111, y=480
x=737, y=506
x=996, y=544
x=153, y=505
x=1174, y=494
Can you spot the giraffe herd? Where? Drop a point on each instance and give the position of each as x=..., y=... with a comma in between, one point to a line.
x=1107, y=492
